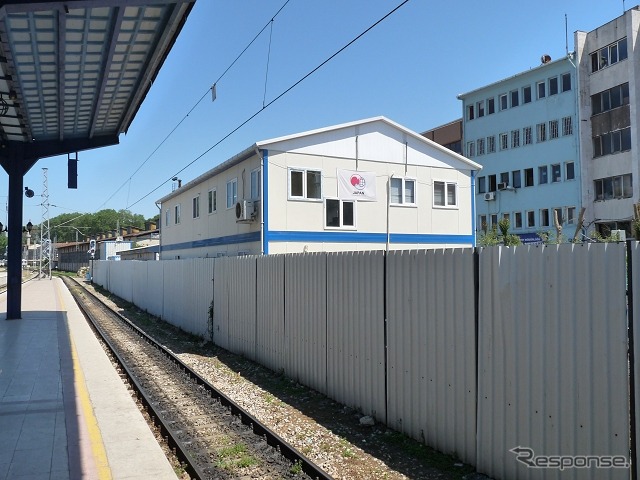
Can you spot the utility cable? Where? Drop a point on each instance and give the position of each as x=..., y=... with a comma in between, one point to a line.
x=270, y=22
x=274, y=100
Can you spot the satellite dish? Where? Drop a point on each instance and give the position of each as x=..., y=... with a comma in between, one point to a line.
x=545, y=58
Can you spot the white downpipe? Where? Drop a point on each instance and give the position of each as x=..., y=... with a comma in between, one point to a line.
x=389, y=211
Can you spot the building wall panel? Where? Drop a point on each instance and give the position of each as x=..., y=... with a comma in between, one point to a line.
x=270, y=346
x=552, y=357
x=306, y=319
x=431, y=389
x=355, y=331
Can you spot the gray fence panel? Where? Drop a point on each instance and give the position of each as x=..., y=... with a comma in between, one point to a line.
x=188, y=293
x=553, y=371
x=431, y=348
x=241, y=278
x=221, y=304
x=101, y=274
x=635, y=276
x=306, y=319
x=154, y=300
x=121, y=279
x=270, y=349
x=355, y=331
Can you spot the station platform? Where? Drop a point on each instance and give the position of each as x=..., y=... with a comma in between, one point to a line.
x=64, y=411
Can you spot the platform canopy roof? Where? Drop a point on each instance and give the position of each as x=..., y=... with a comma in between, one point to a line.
x=74, y=73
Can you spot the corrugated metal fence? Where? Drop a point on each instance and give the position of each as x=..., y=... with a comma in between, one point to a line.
x=475, y=353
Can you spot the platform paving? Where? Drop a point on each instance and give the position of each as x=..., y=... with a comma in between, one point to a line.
x=64, y=411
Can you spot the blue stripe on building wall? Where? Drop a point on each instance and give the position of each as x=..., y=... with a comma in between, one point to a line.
x=361, y=237
x=216, y=241
x=473, y=206
x=265, y=201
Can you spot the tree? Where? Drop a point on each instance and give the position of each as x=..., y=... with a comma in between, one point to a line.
x=69, y=226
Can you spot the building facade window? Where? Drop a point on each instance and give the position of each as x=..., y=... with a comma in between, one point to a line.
x=503, y=101
x=515, y=138
x=255, y=184
x=515, y=98
x=553, y=86
x=567, y=126
x=480, y=109
x=504, y=178
x=556, y=173
x=609, y=99
x=305, y=184
x=232, y=192
x=557, y=213
x=620, y=186
x=482, y=184
x=571, y=215
x=470, y=112
x=176, y=214
x=493, y=183
x=167, y=217
x=504, y=141
x=471, y=149
x=531, y=219
x=553, y=129
x=445, y=194
x=544, y=217
x=566, y=82
x=212, y=200
x=541, y=132
x=195, y=207
x=569, y=171
x=526, y=94
x=541, y=88
x=340, y=213
x=542, y=175
x=491, y=106
x=516, y=181
x=528, y=177
x=480, y=146
x=609, y=55
x=491, y=144
x=402, y=191
x=517, y=217
x=612, y=142
x=527, y=135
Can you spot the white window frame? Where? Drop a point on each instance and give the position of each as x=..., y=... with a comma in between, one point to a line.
x=504, y=141
x=544, y=220
x=529, y=216
x=305, y=194
x=342, y=226
x=233, y=184
x=491, y=144
x=212, y=201
x=195, y=207
x=471, y=149
x=403, y=200
x=255, y=184
x=559, y=177
x=516, y=216
x=566, y=174
x=446, y=184
x=515, y=138
x=571, y=215
x=567, y=126
x=480, y=146
x=176, y=214
x=167, y=217
x=553, y=129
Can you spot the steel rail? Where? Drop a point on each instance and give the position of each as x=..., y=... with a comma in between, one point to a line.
x=165, y=430
x=272, y=438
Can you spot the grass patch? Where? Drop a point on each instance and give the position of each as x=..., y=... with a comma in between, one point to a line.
x=296, y=468
x=235, y=457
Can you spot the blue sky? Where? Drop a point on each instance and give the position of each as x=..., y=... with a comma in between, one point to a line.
x=409, y=68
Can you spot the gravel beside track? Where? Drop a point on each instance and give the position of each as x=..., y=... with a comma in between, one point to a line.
x=327, y=433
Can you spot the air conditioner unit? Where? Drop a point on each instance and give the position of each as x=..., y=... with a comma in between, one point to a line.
x=490, y=196
x=503, y=186
x=244, y=211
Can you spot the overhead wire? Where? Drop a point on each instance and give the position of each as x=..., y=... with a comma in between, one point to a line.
x=270, y=22
x=265, y=106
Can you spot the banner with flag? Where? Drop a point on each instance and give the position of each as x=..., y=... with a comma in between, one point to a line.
x=354, y=185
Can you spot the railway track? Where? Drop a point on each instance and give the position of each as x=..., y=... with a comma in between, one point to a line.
x=210, y=434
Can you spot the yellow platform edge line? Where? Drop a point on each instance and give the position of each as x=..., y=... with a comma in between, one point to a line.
x=95, y=437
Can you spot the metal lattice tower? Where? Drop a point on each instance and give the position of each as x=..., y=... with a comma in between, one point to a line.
x=45, y=233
